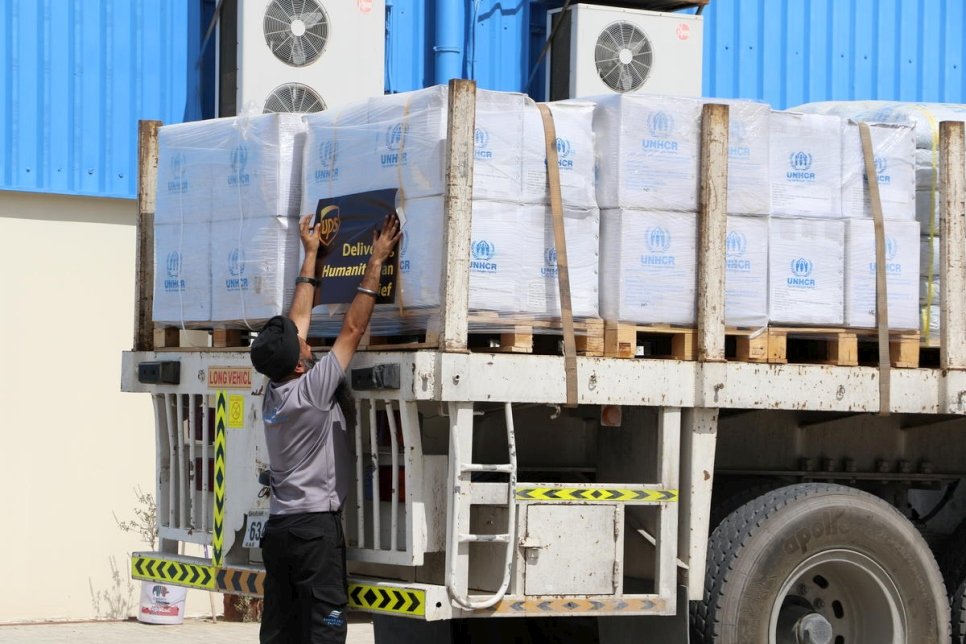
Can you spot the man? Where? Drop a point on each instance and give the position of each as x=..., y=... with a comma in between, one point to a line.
x=305, y=431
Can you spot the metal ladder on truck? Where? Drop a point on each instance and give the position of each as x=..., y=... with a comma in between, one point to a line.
x=463, y=495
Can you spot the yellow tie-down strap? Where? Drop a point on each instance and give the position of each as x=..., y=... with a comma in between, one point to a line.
x=384, y=599
x=174, y=572
x=596, y=494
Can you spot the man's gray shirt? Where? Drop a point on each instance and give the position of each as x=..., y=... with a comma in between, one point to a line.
x=308, y=447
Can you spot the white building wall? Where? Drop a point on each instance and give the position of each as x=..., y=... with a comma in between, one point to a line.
x=73, y=448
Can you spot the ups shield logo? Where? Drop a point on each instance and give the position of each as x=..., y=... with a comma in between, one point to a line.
x=330, y=221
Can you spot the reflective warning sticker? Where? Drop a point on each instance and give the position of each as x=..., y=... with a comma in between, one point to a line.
x=236, y=412
x=172, y=572
x=572, y=606
x=403, y=601
x=218, y=535
x=240, y=582
x=604, y=495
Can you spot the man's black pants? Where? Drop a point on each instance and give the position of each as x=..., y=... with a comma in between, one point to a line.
x=305, y=579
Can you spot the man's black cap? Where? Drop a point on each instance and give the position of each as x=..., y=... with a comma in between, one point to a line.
x=275, y=351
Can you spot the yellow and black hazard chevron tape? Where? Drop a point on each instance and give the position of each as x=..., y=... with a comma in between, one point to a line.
x=172, y=572
x=240, y=582
x=609, y=495
x=548, y=606
x=218, y=535
x=401, y=601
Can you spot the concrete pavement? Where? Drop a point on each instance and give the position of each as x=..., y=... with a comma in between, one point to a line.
x=193, y=630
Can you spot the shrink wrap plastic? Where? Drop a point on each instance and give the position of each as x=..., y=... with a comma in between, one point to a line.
x=806, y=165
x=182, y=273
x=228, y=196
x=512, y=268
x=649, y=148
x=806, y=272
x=902, y=273
x=746, y=272
x=924, y=117
x=648, y=268
x=929, y=255
x=929, y=290
x=893, y=149
x=648, y=151
x=399, y=141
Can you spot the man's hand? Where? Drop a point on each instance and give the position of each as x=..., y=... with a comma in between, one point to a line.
x=311, y=235
x=384, y=240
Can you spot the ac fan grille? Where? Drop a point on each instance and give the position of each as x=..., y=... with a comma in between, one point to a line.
x=623, y=56
x=294, y=97
x=296, y=31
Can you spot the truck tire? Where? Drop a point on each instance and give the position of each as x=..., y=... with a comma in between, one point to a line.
x=958, y=611
x=831, y=561
x=734, y=493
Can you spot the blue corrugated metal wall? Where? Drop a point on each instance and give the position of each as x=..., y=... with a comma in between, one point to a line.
x=785, y=52
x=77, y=75
x=788, y=52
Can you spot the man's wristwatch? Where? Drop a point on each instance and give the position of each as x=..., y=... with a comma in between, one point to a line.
x=301, y=279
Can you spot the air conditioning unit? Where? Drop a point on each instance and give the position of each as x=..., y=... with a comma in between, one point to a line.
x=300, y=55
x=599, y=50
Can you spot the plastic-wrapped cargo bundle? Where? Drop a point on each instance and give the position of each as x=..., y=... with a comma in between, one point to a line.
x=749, y=187
x=746, y=272
x=647, y=267
x=806, y=165
x=513, y=273
x=648, y=264
x=254, y=263
x=226, y=184
x=893, y=148
x=901, y=269
x=182, y=273
x=398, y=141
x=806, y=278
x=573, y=122
x=648, y=151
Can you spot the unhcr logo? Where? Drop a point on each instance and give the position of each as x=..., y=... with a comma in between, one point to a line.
x=736, y=244
x=658, y=241
x=483, y=252
x=738, y=147
x=327, y=158
x=881, y=167
x=564, y=150
x=801, y=165
x=236, y=267
x=891, y=250
x=404, y=265
x=395, y=140
x=801, y=274
x=173, y=282
x=550, y=263
x=179, y=172
x=481, y=140
x=239, y=165
x=661, y=127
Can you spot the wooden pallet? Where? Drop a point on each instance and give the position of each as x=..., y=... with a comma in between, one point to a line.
x=171, y=337
x=622, y=340
x=839, y=346
x=509, y=335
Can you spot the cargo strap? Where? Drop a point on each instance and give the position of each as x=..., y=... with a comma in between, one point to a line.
x=881, y=299
x=560, y=242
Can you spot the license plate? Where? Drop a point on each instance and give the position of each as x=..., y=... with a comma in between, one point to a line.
x=254, y=526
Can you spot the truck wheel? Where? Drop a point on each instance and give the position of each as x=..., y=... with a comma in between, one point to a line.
x=819, y=564
x=734, y=493
x=958, y=611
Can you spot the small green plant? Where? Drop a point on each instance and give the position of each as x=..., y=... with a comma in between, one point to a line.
x=116, y=602
x=145, y=522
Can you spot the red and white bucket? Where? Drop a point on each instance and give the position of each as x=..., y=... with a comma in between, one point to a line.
x=161, y=603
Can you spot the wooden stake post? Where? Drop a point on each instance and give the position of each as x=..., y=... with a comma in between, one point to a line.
x=712, y=230
x=952, y=249
x=144, y=280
